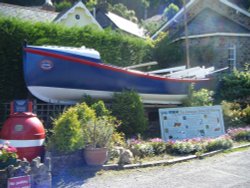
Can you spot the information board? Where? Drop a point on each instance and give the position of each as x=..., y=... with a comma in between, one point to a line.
x=191, y=122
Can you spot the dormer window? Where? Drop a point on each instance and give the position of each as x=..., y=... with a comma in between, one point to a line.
x=77, y=16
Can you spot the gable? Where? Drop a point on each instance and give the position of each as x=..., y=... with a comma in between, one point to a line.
x=77, y=15
x=209, y=21
x=77, y=18
x=195, y=7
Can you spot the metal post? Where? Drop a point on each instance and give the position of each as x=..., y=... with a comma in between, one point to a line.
x=186, y=35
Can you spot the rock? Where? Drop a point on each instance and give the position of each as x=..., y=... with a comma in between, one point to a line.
x=126, y=157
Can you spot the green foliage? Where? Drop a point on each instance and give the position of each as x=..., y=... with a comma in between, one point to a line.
x=240, y=134
x=202, y=97
x=236, y=87
x=128, y=108
x=246, y=116
x=98, y=133
x=181, y=148
x=79, y=126
x=61, y=6
x=68, y=136
x=233, y=114
x=170, y=11
x=114, y=48
x=168, y=55
x=122, y=10
x=100, y=109
x=219, y=143
x=142, y=149
x=84, y=113
x=159, y=146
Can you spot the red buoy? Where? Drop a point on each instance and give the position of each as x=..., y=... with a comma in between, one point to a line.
x=25, y=132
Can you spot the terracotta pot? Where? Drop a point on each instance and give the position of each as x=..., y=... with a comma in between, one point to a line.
x=95, y=156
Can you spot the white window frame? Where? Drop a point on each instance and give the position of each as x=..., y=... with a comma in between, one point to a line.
x=232, y=58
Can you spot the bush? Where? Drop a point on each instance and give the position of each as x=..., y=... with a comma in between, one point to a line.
x=240, y=134
x=202, y=97
x=236, y=87
x=142, y=149
x=61, y=6
x=68, y=136
x=224, y=142
x=181, y=147
x=128, y=108
x=79, y=126
x=100, y=109
x=98, y=132
x=234, y=116
x=159, y=146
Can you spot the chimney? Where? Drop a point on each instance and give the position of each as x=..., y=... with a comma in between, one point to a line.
x=48, y=5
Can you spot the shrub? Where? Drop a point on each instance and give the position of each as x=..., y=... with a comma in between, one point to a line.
x=128, y=108
x=98, y=132
x=246, y=115
x=61, y=6
x=67, y=135
x=7, y=152
x=159, y=145
x=240, y=134
x=85, y=113
x=233, y=114
x=118, y=139
x=181, y=147
x=202, y=97
x=100, y=109
x=142, y=149
x=236, y=87
x=223, y=142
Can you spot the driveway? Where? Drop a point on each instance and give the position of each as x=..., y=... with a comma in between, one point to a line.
x=223, y=170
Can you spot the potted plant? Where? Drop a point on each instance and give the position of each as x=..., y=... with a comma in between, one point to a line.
x=8, y=155
x=98, y=134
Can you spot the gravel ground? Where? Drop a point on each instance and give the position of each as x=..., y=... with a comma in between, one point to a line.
x=223, y=170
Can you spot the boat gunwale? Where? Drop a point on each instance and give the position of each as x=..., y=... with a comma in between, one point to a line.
x=107, y=66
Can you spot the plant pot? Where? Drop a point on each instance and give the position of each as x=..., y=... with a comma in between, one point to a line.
x=95, y=156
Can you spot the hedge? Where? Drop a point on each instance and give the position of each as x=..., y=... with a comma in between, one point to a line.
x=115, y=48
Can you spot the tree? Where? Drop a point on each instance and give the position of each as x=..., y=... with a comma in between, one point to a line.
x=128, y=108
x=170, y=11
x=123, y=11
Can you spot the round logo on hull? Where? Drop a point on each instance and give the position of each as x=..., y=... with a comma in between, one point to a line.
x=46, y=64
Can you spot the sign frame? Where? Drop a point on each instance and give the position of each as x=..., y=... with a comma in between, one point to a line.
x=191, y=122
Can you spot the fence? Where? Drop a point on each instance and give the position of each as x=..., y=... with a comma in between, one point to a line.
x=46, y=112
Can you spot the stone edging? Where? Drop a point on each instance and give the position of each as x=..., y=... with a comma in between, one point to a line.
x=167, y=162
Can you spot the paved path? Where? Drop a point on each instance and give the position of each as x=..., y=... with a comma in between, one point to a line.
x=223, y=170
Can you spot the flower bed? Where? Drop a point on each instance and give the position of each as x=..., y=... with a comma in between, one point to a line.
x=240, y=134
x=8, y=155
x=157, y=146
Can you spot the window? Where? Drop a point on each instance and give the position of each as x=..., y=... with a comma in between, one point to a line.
x=77, y=16
x=232, y=57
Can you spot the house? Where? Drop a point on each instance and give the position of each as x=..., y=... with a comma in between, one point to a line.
x=109, y=19
x=218, y=32
x=77, y=15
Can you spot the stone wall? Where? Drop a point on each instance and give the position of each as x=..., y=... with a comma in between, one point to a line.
x=40, y=173
x=225, y=11
x=59, y=162
x=217, y=48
